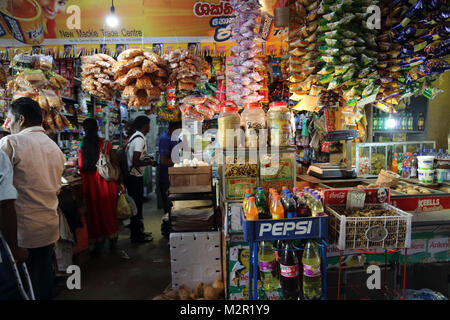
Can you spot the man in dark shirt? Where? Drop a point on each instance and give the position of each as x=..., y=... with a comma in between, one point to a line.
x=165, y=150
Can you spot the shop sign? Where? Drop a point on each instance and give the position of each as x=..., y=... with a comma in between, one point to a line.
x=421, y=204
x=339, y=196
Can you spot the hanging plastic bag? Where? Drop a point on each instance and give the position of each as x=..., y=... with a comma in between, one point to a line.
x=126, y=207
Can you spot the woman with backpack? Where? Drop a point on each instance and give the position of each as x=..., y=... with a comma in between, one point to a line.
x=100, y=194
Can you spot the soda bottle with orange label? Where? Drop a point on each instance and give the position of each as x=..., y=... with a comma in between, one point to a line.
x=252, y=210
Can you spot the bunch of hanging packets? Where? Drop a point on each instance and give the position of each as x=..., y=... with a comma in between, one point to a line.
x=414, y=43
x=335, y=51
x=242, y=77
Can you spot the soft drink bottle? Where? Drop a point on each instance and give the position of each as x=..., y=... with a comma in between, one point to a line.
x=269, y=197
x=261, y=205
x=301, y=206
x=400, y=167
x=244, y=204
x=394, y=163
x=414, y=165
x=312, y=276
x=289, y=272
x=317, y=207
x=252, y=211
x=267, y=266
x=291, y=206
x=277, y=209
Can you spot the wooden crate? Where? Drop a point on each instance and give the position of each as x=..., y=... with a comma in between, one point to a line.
x=190, y=179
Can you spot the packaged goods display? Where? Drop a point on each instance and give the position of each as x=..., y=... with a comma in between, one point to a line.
x=243, y=80
x=199, y=108
x=98, y=75
x=184, y=69
x=42, y=85
x=141, y=76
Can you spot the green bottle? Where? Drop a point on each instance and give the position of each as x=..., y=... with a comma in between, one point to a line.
x=267, y=266
x=312, y=275
x=261, y=205
x=400, y=166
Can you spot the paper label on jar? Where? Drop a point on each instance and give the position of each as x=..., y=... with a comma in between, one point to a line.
x=311, y=271
x=289, y=271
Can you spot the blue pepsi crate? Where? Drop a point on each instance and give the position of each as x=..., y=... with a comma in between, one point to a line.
x=285, y=229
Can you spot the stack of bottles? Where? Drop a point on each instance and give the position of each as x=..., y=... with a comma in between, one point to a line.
x=283, y=204
x=280, y=264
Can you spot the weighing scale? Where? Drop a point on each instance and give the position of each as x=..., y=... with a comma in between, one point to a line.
x=336, y=170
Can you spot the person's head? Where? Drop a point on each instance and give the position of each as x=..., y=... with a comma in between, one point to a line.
x=142, y=124
x=51, y=8
x=90, y=145
x=192, y=47
x=174, y=126
x=129, y=128
x=23, y=113
x=90, y=127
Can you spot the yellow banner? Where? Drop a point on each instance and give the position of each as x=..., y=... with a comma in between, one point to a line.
x=83, y=22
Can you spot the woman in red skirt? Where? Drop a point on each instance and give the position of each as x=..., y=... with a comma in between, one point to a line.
x=100, y=195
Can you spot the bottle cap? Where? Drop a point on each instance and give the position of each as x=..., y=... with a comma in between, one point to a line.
x=277, y=197
x=252, y=105
x=294, y=190
x=289, y=195
x=277, y=104
x=251, y=199
x=248, y=191
x=300, y=194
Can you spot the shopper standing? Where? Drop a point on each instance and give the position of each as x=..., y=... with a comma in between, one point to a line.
x=38, y=165
x=166, y=146
x=100, y=194
x=137, y=161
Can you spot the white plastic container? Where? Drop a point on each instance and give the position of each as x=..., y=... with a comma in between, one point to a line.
x=253, y=119
x=426, y=176
x=425, y=162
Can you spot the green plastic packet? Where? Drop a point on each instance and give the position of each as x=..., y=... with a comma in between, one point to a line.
x=327, y=69
x=347, y=58
x=341, y=69
x=326, y=79
x=334, y=83
x=348, y=75
x=350, y=51
x=328, y=59
x=333, y=43
x=364, y=72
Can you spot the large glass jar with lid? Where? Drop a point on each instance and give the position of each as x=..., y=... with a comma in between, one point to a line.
x=229, y=122
x=279, y=124
x=253, y=119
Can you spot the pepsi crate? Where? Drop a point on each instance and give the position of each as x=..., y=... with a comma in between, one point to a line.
x=285, y=229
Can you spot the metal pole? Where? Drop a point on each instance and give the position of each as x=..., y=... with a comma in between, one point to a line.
x=404, y=273
x=324, y=270
x=250, y=272
x=339, y=275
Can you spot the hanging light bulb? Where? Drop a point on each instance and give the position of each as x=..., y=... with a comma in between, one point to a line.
x=112, y=21
x=391, y=123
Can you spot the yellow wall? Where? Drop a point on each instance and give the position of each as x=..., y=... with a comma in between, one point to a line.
x=439, y=113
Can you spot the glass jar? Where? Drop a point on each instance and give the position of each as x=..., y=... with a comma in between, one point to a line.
x=279, y=124
x=229, y=123
x=253, y=120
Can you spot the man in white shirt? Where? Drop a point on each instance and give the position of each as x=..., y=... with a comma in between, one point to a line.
x=137, y=161
x=38, y=165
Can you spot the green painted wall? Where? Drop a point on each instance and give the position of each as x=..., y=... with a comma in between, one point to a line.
x=439, y=113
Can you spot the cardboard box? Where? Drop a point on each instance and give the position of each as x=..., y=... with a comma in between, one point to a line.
x=190, y=179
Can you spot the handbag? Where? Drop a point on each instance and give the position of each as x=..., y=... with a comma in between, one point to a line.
x=106, y=169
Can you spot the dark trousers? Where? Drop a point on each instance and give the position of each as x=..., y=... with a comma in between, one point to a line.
x=164, y=190
x=40, y=268
x=135, y=189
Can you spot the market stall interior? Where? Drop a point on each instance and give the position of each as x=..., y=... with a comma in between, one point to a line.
x=307, y=151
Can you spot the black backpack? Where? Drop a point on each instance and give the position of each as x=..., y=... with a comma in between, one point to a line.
x=121, y=154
